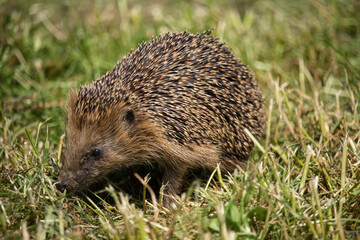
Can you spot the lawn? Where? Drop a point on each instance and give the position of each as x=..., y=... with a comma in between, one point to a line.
x=302, y=180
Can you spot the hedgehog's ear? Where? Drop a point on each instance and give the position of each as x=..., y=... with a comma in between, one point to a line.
x=72, y=100
x=129, y=117
x=71, y=106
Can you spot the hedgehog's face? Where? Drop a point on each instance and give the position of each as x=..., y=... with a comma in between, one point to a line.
x=95, y=148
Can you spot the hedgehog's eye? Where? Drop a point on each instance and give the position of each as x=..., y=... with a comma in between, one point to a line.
x=95, y=153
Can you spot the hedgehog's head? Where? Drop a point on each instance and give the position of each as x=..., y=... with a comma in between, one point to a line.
x=100, y=137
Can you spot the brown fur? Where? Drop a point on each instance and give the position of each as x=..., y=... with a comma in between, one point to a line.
x=182, y=101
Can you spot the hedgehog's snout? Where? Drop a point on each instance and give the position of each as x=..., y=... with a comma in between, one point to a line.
x=67, y=181
x=61, y=186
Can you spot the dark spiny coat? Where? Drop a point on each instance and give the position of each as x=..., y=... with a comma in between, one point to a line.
x=181, y=100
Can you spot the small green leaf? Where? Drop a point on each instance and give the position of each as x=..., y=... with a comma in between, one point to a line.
x=214, y=225
x=258, y=213
x=234, y=214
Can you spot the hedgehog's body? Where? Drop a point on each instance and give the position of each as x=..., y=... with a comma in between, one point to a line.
x=181, y=100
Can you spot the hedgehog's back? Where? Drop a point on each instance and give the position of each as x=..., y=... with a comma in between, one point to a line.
x=195, y=89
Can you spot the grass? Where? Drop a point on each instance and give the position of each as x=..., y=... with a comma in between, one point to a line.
x=302, y=181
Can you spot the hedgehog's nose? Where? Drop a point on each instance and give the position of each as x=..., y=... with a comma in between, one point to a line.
x=60, y=186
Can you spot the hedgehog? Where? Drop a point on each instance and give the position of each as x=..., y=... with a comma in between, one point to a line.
x=181, y=100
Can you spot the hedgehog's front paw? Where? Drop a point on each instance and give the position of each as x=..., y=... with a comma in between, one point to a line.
x=172, y=180
x=169, y=201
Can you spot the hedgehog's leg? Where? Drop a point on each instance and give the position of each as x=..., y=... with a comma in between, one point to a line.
x=177, y=159
x=172, y=180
